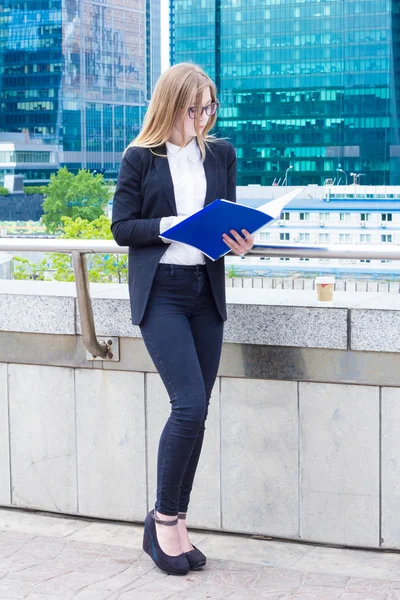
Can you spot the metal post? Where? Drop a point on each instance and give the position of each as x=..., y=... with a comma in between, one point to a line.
x=85, y=307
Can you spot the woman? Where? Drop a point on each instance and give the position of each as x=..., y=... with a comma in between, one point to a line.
x=171, y=170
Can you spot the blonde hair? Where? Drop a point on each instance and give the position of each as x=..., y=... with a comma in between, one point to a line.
x=174, y=94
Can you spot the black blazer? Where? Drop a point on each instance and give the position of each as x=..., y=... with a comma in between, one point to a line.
x=144, y=194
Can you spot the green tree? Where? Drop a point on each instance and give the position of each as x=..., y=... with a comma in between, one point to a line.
x=55, y=203
x=76, y=196
x=85, y=229
x=24, y=269
x=102, y=268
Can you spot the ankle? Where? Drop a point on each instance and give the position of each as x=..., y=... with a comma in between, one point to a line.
x=163, y=517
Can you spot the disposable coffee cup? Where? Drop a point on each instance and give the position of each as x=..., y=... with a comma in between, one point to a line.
x=325, y=287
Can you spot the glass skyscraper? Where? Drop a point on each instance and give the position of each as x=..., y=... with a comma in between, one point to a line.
x=78, y=73
x=312, y=85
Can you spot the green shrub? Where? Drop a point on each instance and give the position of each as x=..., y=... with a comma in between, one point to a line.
x=35, y=189
x=4, y=191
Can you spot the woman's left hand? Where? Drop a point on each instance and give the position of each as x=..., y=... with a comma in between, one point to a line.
x=241, y=245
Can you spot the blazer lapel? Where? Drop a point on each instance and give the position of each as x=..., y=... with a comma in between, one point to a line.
x=211, y=172
x=164, y=174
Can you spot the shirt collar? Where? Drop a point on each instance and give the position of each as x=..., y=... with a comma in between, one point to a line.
x=191, y=151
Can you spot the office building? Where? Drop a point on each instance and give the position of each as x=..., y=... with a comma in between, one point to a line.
x=78, y=74
x=306, y=88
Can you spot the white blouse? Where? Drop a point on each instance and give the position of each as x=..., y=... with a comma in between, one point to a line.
x=190, y=185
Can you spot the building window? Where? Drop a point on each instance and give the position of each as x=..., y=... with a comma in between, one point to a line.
x=365, y=238
x=304, y=216
x=304, y=237
x=344, y=216
x=324, y=216
x=25, y=157
x=386, y=217
x=324, y=237
x=284, y=237
x=345, y=238
x=386, y=238
x=286, y=216
x=365, y=216
x=264, y=236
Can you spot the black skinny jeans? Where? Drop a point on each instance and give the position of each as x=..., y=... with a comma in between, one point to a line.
x=183, y=333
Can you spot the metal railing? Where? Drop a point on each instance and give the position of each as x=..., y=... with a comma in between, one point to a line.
x=78, y=248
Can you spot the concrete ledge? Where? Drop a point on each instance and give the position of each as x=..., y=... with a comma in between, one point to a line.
x=237, y=360
x=301, y=438
x=37, y=314
x=292, y=318
x=294, y=326
x=376, y=327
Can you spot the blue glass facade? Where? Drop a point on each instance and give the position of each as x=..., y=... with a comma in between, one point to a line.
x=78, y=73
x=31, y=68
x=302, y=83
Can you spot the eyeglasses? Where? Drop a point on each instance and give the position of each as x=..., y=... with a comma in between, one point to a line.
x=210, y=110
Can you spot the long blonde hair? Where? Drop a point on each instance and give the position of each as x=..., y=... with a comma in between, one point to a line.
x=174, y=93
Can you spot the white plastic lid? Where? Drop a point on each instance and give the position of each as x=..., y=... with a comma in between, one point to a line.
x=325, y=280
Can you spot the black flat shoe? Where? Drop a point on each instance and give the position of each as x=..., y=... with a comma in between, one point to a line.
x=173, y=565
x=196, y=559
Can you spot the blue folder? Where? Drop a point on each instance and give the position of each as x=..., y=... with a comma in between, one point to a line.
x=204, y=229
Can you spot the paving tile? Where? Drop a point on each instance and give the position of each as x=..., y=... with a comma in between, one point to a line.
x=113, y=534
x=356, y=584
x=260, y=593
x=51, y=567
x=364, y=596
x=19, y=522
x=12, y=589
x=261, y=552
x=311, y=592
x=357, y=563
x=325, y=579
x=230, y=565
x=133, y=575
x=36, y=596
x=278, y=579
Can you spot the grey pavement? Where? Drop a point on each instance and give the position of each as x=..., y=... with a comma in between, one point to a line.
x=53, y=557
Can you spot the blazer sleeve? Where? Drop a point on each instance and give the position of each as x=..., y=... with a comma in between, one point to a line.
x=127, y=227
x=231, y=174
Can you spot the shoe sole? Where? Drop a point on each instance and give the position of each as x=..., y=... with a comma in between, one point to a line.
x=197, y=567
